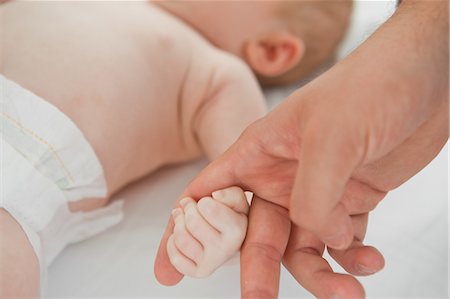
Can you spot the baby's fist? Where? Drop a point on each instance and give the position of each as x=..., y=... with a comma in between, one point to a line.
x=208, y=233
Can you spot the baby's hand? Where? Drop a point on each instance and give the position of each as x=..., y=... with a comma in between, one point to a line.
x=208, y=233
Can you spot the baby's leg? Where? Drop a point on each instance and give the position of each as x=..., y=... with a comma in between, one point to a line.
x=209, y=232
x=19, y=267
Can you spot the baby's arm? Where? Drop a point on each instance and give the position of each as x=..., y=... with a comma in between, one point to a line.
x=208, y=233
x=234, y=101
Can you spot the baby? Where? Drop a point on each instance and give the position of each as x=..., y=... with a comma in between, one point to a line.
x=95, y=95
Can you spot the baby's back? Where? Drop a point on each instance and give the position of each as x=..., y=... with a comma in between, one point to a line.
x=119, y=70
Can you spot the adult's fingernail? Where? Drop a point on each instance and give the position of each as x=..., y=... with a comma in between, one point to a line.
x=337, y=241
x=364, y=270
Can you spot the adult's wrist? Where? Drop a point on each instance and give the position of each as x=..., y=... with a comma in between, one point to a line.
x=406, y=61
x=423, y=31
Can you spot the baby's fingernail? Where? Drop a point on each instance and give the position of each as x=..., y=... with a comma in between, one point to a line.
x=217, y=194
x=184, y=202
x=176, y=212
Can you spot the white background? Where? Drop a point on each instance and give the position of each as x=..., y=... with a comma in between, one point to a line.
x=410, y=227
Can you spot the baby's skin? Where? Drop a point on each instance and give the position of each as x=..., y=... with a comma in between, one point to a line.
x=145, y=89
x=208, y=232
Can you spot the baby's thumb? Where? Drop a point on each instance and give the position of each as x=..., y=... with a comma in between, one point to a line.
x=234, y=198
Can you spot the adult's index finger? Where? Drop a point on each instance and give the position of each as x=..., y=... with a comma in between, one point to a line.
x=264, y=246
x=164, y=271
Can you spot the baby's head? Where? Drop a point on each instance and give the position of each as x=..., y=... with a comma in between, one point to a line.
x=282, y=41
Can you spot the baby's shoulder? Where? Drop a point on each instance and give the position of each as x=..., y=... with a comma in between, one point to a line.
x=206, y=62
x=230, y=67
x=217, y=73
x=217, y=68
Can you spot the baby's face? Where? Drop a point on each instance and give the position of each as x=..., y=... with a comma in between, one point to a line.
x=227, y=24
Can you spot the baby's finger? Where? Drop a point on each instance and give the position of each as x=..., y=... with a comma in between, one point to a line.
x=184, y=241
x=225, y=220
x=178, y=260
x=234, y=198
x=199, y=228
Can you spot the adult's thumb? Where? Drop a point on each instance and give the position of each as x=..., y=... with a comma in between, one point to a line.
x=328, y=156
x=164, y=271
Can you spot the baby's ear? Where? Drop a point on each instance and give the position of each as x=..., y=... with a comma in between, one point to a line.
x=274, y=54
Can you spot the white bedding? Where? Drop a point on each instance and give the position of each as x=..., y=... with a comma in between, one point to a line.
x=410, y=227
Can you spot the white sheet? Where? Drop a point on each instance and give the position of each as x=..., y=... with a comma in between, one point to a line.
x=410, y=227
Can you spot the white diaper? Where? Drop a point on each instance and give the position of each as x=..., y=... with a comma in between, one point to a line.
x=46, y=162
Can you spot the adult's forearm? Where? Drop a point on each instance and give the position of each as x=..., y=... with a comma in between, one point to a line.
x=423, y=26
x=401, y=72
x=410, y=49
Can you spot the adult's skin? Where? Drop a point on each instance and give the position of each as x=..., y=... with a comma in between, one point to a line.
x=329, y=153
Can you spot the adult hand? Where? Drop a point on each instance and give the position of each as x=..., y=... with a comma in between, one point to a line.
x=331, y=152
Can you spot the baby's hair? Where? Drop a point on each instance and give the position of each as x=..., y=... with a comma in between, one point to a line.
x=321, y=24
